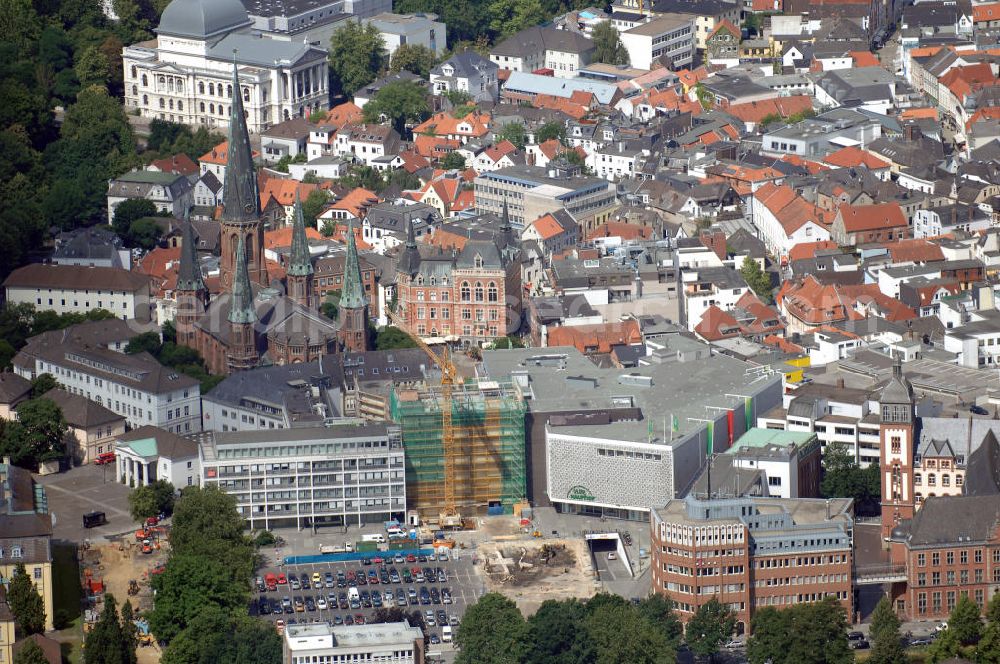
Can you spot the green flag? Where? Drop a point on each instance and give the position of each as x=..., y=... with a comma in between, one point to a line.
x=675, y=424
x=748, y=412
x=710, y=445
x=649, y=427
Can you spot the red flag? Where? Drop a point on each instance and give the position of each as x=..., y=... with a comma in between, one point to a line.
x=729, y=421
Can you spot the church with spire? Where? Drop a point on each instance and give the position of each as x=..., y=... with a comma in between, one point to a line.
x=255, y=321
x=467, y=295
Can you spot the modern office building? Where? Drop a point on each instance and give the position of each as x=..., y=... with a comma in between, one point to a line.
x=307, y=477
x=752, y=552
x=533, y=191
x=323, y=643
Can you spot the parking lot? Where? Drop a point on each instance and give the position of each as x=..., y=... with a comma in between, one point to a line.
x=330, y=600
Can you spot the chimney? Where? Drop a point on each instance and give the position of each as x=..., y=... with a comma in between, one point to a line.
x=840, y=383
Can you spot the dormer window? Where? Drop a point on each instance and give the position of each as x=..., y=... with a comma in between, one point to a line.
x=478, y=261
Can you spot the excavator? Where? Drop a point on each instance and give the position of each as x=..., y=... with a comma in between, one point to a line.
x=450, y=517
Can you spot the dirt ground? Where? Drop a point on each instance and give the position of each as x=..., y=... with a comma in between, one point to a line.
x=119, y=562
x=532, y=571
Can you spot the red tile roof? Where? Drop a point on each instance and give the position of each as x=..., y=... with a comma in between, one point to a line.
x=181, y=164
x=851, y=157
x=880, y=216
x=596, y=338
x=755, y=111
x=809, y=249
x=717, y=324
x=914, y=251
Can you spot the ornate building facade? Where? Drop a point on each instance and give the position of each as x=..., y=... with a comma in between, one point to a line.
x=468, y=296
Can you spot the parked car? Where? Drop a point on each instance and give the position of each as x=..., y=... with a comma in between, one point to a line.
x=858, y=645
x=978, y=410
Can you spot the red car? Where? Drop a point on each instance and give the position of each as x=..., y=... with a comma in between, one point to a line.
x=377, y=561
x=411, y=558
x=281, y=579
x=106, y=458
x=359, y=619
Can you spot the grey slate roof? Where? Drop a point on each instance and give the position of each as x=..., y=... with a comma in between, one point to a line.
x=202, y=18
x=945, y=520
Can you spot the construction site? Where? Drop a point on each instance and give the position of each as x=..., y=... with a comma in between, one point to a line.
x=481, y=425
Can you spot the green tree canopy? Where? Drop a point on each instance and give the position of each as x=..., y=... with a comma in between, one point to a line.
x=884, y=631
x=659, y=611
x=757, y=279
x=31, y=653
x=551, y=130
x=207, y=524
x=217, y=637
x=189, y=584
x=710, y=627
x=151, y=500
x=357, y=56
x=620, y=634
x=110, y=642
x=556, y=634
x=129, y=211
x=42, y=383
x=453, y=160
x=38, y=434
x=843, y=478
x=414, y=58
x=492, y=632
x=510, y=16
x=25, y=603
x=515, y=133
x=814, y=632
x=313, y=206
x=965, y=621
x=390, y=338
x=401, y=102
x=608, y=47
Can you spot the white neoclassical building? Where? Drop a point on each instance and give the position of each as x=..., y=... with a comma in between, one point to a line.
x=185, y=75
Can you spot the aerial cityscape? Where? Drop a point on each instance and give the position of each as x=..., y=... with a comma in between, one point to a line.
x=499, y=332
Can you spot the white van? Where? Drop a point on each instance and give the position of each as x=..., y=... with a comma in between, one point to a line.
x=446, y=634
x=377, y=537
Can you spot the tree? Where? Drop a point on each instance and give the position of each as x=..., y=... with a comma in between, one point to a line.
x=659, y=611
x=151, y=500
x=458, y=98
x=887, y=649
x=129, y=211
x=414, y=58
x=758, y=280
x=505, y=343
x=38, y=435
x=556, y=634
x=710, y=627
x=401, y=102
x=91, y=67
x=147, y=342
x=19, y=23
x=390, y=338
x=551, y=130
x=492, y=632
x=206, y=523
x=143, y=233
x=357, y=56
x=25, y=603
x=216, y=637
x=510, y=16
x=130, y=633
x=515, y=133
x=965, y=621
x=619, y=634
x=944, y=647
x=814, y=632
x=843, y=478
x=110, y=642
x=31, y=653
x=42, y=383
x=313, y=206
x=452, y=161
x=608, y=47
x=705, y=98
x=189, y=584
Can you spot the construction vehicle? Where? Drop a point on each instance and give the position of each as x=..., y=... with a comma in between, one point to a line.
x=133, y=587
x=450, y=517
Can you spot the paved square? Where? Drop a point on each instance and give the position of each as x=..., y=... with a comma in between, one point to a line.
x=87, y=489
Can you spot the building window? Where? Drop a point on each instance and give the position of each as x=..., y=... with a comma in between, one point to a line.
x=466, y=293
x=492, y=292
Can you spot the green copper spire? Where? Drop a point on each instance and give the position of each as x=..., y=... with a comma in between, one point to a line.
x=353, y=294
x=241, y=309
x=240, y=197
x=189, y=272
x=299, y=265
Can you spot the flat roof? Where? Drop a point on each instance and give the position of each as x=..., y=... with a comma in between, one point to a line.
x=759, y=437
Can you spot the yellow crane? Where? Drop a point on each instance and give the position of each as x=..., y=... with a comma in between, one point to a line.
x=449, y=378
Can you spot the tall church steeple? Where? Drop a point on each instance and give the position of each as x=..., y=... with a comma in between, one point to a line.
x=242, y=317
x=300, y=267
x=409, y=260
x=897, y=441
x=190, y=291
x=240, y=197
x=353, y=307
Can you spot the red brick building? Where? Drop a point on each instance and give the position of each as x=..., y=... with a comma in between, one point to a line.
x=752, y=552
x=470, y=295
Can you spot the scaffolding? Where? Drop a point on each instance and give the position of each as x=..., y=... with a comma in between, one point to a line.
x=488, y=422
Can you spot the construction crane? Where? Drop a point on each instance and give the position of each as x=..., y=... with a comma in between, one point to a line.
x=450, y=517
